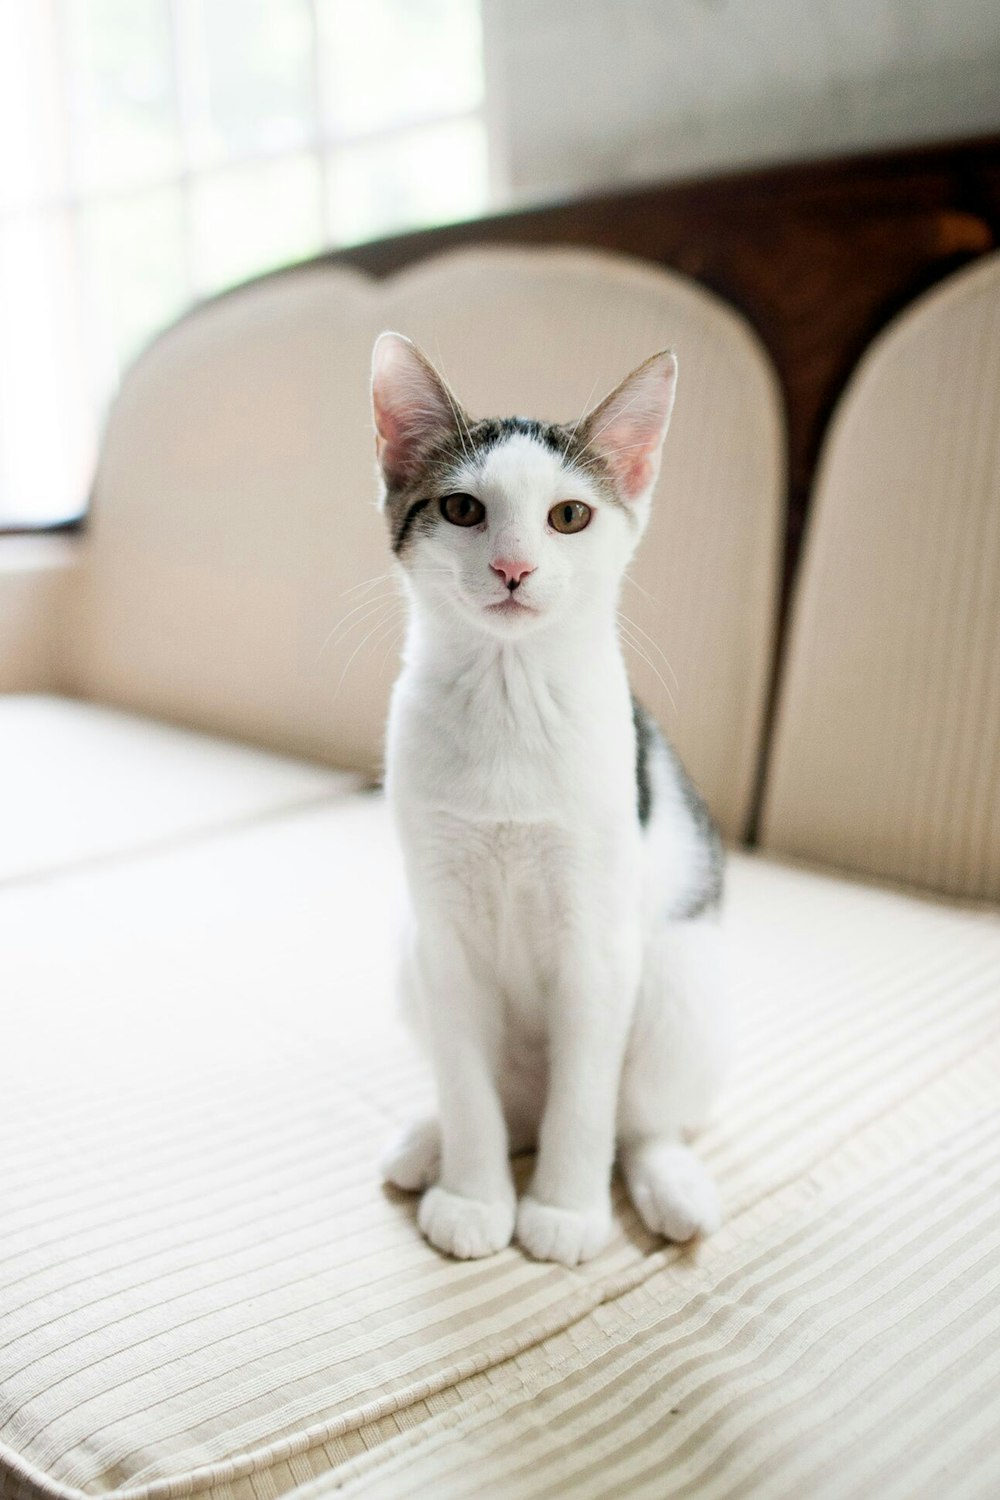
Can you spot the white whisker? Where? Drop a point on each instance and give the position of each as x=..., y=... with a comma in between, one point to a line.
x=463, y=430
x=367, y=607
x=590, y=441
x=637, y=648
x=627, y=577
x=396, y=640
x=368, y=584
x=586, y=464
x=655, y=644
x=376, y=629
x=583, y=413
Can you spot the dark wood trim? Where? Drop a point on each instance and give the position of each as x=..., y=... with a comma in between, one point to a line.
x=818, y=256
x=46, y=528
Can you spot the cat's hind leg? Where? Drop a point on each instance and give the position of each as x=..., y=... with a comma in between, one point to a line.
x=673, y=1066
x=412, y=1160
x=673, y=1193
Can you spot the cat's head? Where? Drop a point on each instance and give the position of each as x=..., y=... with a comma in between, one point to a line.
x=508, y=522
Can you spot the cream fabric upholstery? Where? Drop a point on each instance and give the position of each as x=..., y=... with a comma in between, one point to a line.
x=234, y=505
x=35, y=578
x=839, y=1341
x=203, y=1290
x=886, y=757
x=202, y=1287
x=79, y=782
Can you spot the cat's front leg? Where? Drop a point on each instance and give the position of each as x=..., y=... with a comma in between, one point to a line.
x=566, y=1216
x=469, y=1212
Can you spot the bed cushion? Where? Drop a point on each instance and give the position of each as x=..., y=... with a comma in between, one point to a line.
x=202, y=1285
x=80, y=782
x=840, y=1338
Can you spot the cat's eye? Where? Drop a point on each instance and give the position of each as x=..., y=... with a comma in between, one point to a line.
x=569, y=516
x=463, y=510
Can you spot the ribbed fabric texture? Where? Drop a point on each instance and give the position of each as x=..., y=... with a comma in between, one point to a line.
x=886, y=756
x=242, y=583
x=848, y=1346
x=203, y=1287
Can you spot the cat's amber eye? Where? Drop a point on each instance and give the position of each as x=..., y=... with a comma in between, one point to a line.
x=463, y=510
x=569, y=516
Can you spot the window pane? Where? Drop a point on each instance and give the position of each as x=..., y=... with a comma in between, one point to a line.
x=258, y=77
x=249, y=219
x=46, y=445
x=390, y=62
x=421, y=177
x=121, y=94
x=135, y=276
x=32, y=166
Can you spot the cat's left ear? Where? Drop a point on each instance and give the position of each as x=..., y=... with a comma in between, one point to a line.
x=412, y=407
x=628, y=427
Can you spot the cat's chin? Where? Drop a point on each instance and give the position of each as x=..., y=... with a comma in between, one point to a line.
x=509, y=617
x=511, y=609
x=503, y=619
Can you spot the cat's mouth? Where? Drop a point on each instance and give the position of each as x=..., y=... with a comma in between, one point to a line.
x=511, y=606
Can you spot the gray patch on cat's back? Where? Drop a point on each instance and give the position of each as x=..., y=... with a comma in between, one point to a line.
x=706, y=893
x=643, y=738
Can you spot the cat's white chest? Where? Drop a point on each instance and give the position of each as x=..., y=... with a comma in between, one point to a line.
x=505, y=883
x=472, y=751
x=505, y=745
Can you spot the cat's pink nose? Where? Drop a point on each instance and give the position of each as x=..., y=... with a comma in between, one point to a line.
x=512, y=573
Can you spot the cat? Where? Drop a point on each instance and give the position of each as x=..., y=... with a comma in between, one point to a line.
x=565, y=969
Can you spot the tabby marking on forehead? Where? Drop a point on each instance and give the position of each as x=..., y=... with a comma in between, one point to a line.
x=408, y=508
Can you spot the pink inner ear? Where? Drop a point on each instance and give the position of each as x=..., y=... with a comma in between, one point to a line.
x=410, y=404
x=387, y=423
x=390, y=433
x=635, y=472
x=630, y=446
x=628, y=428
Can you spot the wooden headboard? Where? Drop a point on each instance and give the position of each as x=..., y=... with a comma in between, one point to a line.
x=818, y=256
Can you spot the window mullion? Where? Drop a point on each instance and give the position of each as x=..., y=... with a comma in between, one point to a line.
x=321, y=115
x=89, y=334
x=189, y=106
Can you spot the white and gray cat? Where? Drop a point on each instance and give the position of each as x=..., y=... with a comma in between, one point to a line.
x=564, y=967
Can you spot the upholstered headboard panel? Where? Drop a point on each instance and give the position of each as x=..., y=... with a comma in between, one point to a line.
x=886, y=753
x=234, y=527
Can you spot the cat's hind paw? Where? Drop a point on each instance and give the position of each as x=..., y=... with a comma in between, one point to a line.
x=562, y=1234
x=467, y=1228
x=413, y=1159
x=672, y=1191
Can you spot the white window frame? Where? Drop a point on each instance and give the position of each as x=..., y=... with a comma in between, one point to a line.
x=320, y=144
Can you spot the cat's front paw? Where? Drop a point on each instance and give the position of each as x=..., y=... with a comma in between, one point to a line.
x=562, y=1234
x=467, y=1228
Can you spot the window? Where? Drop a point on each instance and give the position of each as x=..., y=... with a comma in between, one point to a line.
x=155, y=151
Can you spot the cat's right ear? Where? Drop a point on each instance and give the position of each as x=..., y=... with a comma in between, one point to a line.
x=412, y=407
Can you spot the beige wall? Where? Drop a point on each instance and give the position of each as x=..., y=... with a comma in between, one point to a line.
x=593, y=92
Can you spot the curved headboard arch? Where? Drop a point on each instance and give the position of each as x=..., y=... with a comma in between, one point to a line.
x=886, y=752
x=235, y=562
